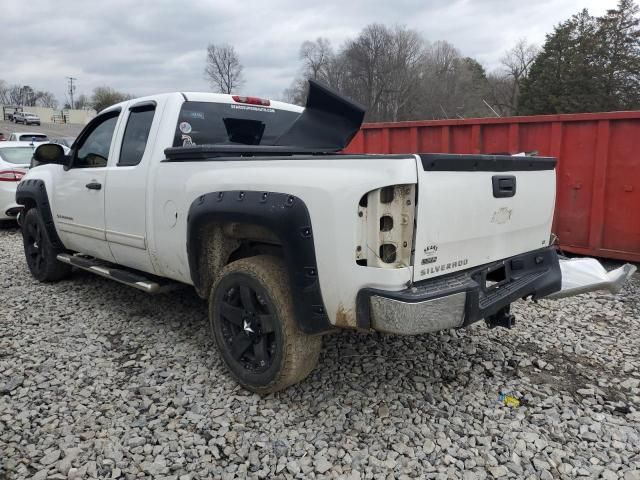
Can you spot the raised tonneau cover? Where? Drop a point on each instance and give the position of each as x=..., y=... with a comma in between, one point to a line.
x=327, y=125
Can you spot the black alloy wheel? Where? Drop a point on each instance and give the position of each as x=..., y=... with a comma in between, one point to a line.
x=247, y=326
x=253, y=322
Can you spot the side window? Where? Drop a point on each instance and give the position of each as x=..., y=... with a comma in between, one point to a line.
x=136, y=135
x=94, y=149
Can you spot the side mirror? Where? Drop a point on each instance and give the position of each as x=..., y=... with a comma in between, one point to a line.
x=49, y=153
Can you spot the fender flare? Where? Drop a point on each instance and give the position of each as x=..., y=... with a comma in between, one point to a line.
x=288, y=218
x=35, y=191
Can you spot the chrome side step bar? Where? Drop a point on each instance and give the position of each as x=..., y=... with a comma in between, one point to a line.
x=581, y=275
x=119, y=274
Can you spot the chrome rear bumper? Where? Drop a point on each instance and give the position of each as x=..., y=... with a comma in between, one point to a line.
x=459, y=299
x=395, y=316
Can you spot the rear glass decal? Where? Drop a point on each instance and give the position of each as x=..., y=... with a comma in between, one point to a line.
x=185, y=127
x=193, y=114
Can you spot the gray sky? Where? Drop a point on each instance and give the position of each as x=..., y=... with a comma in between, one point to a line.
x=152, y=46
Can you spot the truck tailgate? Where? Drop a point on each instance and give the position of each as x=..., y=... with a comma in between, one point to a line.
x=476, y=209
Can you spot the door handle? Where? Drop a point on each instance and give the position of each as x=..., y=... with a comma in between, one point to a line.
x=504, y=186
x=94, y=186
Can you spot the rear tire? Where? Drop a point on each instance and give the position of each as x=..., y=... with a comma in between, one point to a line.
x=38, y=250
x=252, y=319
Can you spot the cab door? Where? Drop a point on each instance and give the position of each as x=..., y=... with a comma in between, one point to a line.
x=79, y=192
x=126, y=201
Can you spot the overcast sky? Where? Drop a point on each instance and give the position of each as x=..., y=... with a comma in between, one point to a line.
x=152, y=46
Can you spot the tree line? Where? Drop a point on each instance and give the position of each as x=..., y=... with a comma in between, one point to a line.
x=26, y=96
x=586, y=64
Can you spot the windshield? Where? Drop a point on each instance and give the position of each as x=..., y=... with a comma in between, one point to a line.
x=207, y=123
x=17, y=155
x=38, y=138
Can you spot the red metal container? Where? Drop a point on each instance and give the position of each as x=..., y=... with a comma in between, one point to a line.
x=598, y=174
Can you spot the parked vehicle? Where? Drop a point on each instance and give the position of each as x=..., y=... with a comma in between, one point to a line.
x=28, y=137
x=15, y=158
x=9, y=113
x=248, y=201
x=27, y=118
x=64, y=141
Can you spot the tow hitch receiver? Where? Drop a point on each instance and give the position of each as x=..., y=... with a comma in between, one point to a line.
x=502, y=318
x=581, y=275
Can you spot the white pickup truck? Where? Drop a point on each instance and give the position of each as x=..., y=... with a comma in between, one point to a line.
x=249, y=201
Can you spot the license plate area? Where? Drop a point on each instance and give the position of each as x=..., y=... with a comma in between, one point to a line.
x=496, y=276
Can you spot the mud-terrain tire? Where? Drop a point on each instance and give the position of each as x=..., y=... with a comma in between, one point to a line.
x=252, y=319
x=39, y=252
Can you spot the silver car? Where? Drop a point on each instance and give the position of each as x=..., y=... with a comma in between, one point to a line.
x=15, y=158
x=27, y=118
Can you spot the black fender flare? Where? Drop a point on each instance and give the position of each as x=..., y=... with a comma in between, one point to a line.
x=288, y=218
x=35, y=191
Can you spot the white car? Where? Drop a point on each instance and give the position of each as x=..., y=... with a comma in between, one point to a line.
x=251, y=202
x=28, y=137
x=15, y=158
x=27, y=118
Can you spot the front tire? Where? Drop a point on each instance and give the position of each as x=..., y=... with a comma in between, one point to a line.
x=252, y=319
x=38, y=250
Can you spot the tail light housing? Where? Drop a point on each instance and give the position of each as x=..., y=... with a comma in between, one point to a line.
x=11, y=175
x=386, y=218
x=251, y=100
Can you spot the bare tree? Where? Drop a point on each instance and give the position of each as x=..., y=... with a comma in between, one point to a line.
x=4, y=92
x=46, y=99
x=515, y=69
x=370, y=71
x=104, y=97
x=82, y=102
x=396, y=75
x=316, y=57
x=223, y=69
x=407, y=56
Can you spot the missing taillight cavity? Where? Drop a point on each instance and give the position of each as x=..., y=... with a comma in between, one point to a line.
x=385, y=227
x=386, y=194
x=388, y=252
x=386, y=223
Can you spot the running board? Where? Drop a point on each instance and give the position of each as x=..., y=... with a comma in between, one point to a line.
x=128, y=277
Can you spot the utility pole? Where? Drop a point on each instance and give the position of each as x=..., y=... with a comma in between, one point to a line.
x=72, y=89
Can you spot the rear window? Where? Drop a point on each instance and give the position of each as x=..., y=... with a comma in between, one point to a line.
x=37, y=138
x=207, y=123
x=17, y=155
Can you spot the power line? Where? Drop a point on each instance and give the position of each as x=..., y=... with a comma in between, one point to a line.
x=72, y=89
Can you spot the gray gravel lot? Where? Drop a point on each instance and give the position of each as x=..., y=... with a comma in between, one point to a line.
x=99, y=380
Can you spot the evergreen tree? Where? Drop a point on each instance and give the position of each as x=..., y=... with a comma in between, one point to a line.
x=587, y=65
x=620, y=55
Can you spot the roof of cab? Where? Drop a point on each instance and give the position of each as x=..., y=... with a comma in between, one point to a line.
x=204, y=97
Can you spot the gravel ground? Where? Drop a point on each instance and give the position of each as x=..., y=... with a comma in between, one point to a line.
x=99, y=380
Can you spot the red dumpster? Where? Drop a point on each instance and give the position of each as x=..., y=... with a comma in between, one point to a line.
x=598, y=175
